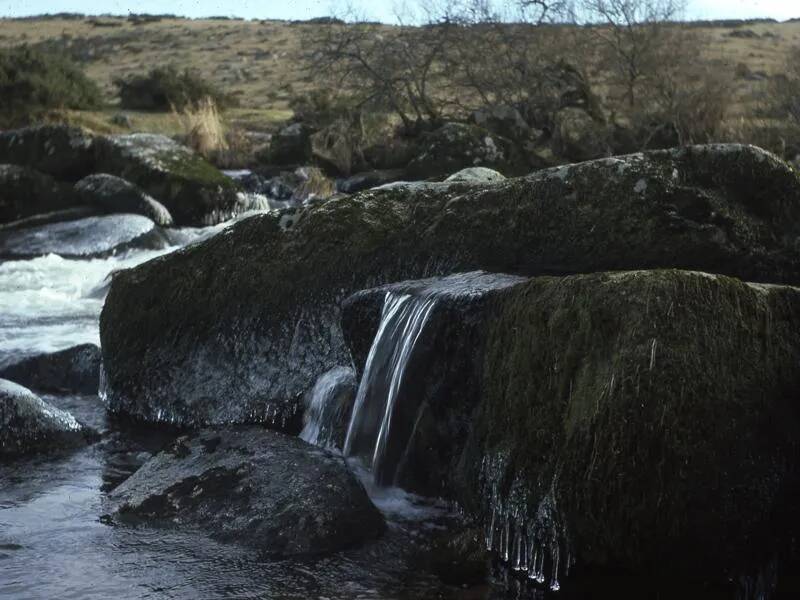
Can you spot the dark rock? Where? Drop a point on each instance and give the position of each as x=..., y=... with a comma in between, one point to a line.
x=430, y=415
x=28, y=424
x=503, y=120
x=456, y=146
x=579, y=136
x=192, y=190
x=643, y=421
x=25, y=192
x=270, y=492
x=84, y=238
x=290, y=146
x=369, y=179
x=74, y=370
x=115, y=195
x=58, y=150
x=122, y=120
x=217, y=348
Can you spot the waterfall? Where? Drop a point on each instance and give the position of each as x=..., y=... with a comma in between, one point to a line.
x=327, y=406
x=368, y=434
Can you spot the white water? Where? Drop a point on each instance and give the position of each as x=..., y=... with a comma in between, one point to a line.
x=402, y=321
x=50, y=303
x=327, y=405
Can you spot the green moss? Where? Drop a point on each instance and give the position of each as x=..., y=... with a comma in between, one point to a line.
x=659, y=409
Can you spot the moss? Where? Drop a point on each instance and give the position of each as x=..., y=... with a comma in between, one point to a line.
x=658, y=410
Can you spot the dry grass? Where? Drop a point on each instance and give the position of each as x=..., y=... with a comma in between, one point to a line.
x=204, y=131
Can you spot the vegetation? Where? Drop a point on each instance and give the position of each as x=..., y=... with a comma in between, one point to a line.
x=33, y=82
x=169, y=88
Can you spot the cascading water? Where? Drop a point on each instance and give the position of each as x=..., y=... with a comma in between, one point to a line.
x=402, y=322
x=327, y=407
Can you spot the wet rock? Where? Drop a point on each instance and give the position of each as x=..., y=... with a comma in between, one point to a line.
x=369, y=179
x=433, y=388
x=28, y=424
x=217, y=348
x=25, y=192
x=115, y=195
x=643, y=421
x=327, y=408
x=74, y=370
x=67, y=214
x=84, y=238
x=193, y=191
x=476, y=175
x=61, y=151
x=275, y=494
x=457, y=146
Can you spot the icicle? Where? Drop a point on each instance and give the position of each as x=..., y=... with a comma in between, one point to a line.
x=506, y=541
x=554, y=584
x=490, y=533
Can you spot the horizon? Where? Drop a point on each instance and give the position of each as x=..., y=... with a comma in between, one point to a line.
x=381, y=10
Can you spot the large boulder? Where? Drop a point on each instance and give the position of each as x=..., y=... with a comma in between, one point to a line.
x=456, y=146
x=504, y=120
x=237, y=328
x=28, y=424
x=273, y=493
x=116, y=195
x=25, y=192
x=192, y=190
x=74, y=370
x=643, y=420
x=84, y=238
x=59, y=150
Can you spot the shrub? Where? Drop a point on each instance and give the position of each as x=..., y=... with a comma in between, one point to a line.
x=165, y=88
x=205, y=133
x=33, y=82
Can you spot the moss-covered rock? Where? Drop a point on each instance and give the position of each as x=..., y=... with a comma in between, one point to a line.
x=640, y=420
x=238, y=327
x=59, y=150
x=644, y=421
x=456, y=146
x=25, y=192
x=194, y=191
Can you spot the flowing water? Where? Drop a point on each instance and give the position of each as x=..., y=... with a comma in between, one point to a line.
x=54, y=541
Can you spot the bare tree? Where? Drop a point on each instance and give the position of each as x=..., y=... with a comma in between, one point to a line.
x=635, y=35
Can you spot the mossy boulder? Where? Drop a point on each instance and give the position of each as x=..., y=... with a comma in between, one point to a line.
x=25, y=192
x=456, y=146
x=61, y=151
x=192, y=190
x=645, y=421
x=237, y=328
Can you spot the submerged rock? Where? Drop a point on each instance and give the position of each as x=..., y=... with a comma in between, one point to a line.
x=115, y=195
x=84, y=238
x=238, y=328
x=25, y=192
x=28, y=424
x=264, y=490
x=192, y=190
x=59, y=150
x=75, y=370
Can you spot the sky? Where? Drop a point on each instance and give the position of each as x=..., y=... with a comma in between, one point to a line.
x=382, y=10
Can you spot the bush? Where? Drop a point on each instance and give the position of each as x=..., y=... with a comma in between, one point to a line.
x=33, y=82
x=168, y=88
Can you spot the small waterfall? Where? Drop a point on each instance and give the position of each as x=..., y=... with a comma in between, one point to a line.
x=402, y=321
x=327, y=406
